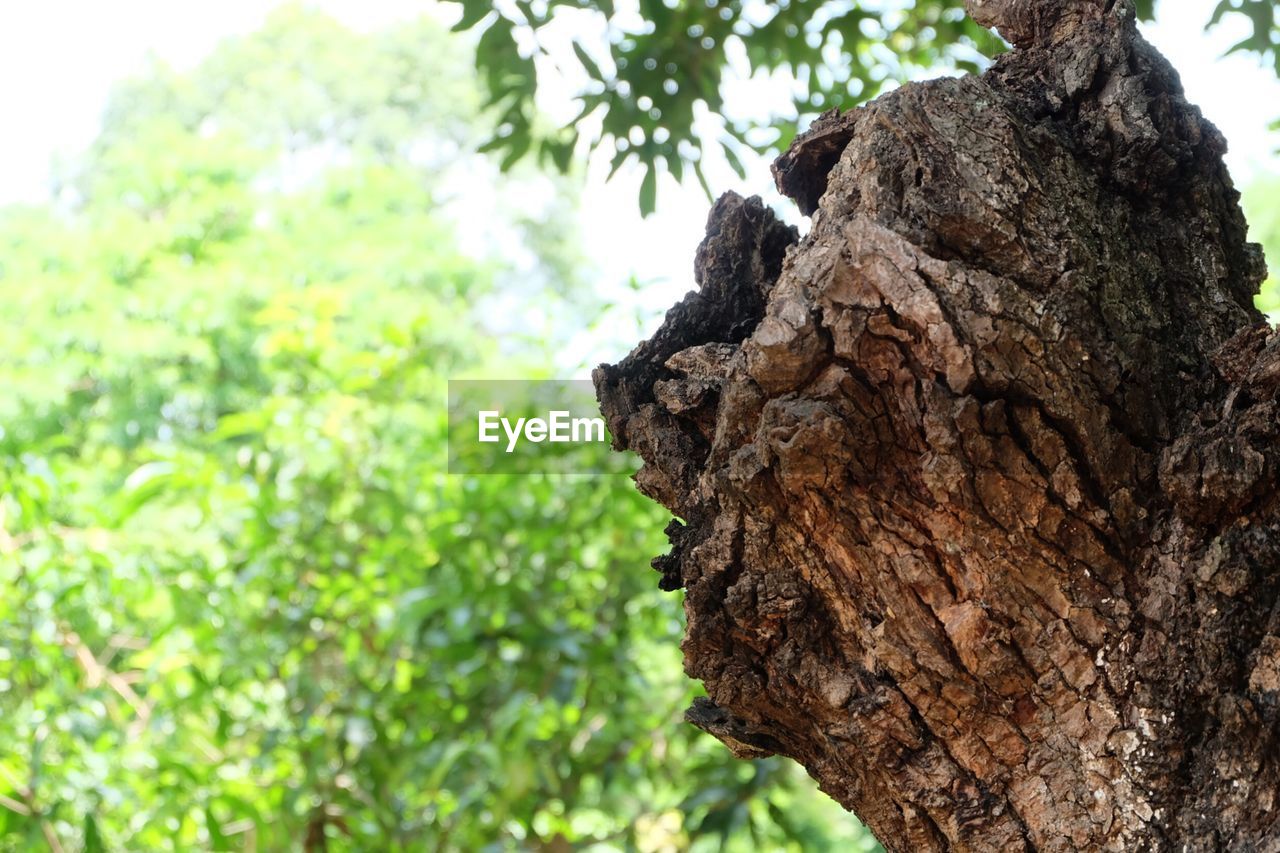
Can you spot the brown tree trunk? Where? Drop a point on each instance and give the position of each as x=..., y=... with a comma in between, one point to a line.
x=978, y=478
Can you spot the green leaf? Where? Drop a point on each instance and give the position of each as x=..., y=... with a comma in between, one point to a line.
x=147, y=482
x=473, y=12
x=92, y=836
x=702, y=179
x=734, y=162
x=649, y=190
x=1221, y=9
x=587, y=62
x=517, y=145
x=240, y=425
x=619, y=157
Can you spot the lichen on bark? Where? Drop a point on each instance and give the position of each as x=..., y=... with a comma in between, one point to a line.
x=977, y=479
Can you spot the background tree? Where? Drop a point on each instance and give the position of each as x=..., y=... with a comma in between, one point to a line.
x=245, y=608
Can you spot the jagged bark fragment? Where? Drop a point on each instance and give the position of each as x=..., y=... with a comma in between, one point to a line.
x=979, y=483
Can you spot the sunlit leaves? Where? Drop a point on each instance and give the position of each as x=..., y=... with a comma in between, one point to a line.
x=654, y=74
x=649, y=79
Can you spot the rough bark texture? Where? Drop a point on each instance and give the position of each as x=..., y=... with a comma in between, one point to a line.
x=978, y=478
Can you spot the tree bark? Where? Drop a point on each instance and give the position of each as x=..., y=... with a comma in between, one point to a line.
x=978, y=478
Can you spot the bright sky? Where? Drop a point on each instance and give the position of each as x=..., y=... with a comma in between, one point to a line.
x=59, y=58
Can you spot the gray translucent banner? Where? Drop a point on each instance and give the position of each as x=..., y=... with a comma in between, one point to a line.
x=516, y=426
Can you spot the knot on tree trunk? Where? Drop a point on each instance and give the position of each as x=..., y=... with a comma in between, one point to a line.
x=977, y=479
x=1027, y=22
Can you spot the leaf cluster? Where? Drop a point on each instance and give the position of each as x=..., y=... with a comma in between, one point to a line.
x=662, y=66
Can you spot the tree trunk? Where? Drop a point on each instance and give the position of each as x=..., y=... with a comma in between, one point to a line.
x=978, y=478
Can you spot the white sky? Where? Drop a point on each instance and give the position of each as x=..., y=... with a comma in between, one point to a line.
x=59, y=58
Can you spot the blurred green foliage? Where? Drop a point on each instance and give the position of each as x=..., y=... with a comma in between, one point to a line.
x=245, y=607
x=1263, y=214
